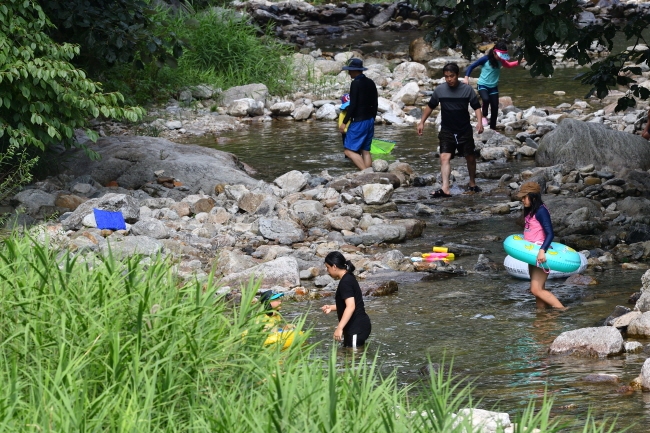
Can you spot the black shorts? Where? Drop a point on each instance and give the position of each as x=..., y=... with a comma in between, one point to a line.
x=457, y=144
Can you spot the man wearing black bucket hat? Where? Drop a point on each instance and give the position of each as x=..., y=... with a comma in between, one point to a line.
x=362, y=112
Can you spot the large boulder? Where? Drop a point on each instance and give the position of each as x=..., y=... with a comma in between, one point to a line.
x=583, y=143
x=598, y=341
x=285, y=232
x=132, y=161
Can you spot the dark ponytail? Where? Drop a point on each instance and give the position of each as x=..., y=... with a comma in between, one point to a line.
x=492, y=57
x=337, y=259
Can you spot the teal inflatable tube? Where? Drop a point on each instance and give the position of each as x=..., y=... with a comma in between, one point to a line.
x=559, y=257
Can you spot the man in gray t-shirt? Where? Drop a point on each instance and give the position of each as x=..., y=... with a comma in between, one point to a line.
x=456, y=134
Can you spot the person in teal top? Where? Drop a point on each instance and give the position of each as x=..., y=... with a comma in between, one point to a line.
x=488, y=81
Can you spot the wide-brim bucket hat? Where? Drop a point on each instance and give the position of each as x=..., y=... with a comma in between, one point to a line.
x=354, y=64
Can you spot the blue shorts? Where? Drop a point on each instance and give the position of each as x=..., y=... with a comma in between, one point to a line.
x=360, y=135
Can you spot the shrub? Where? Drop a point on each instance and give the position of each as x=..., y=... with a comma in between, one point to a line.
x=43, y=97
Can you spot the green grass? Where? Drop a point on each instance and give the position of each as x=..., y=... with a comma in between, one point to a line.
x=223, y=51
x=115, y=346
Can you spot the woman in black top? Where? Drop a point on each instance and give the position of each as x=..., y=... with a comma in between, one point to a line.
x=354, y=324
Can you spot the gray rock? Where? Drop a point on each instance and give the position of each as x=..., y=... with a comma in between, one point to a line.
x=581, y=143
x=624, y=320
x=643, y=303
x=33, y=199
x=326, y=112
x=634, y=206
x=383, y=16
x=640, y=325
x=376, y=193
x=633, y=346
x=323, y=280
x=645, y=281
x=292, y=181
x=342, y=222
x=283, y=108
x=128, y=246
x=599, y=341
x=380, y=233
x=351, y=210
x=232, y=262
x=285, y=232
x=282, y=272
x=110, y=202
x=258, y=92
x=150, y=227
x=132, y=161
x=310, y=213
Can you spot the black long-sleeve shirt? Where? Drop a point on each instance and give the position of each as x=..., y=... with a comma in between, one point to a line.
x=363, y=100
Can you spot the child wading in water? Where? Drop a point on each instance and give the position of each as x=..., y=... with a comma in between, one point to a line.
x=488, y=81
x=538, y=229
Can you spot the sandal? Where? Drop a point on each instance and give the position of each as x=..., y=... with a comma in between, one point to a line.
x=474, y=188
x=440, y=194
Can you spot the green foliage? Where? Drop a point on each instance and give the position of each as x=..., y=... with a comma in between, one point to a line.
x=538, y=25
x=113, y=31
x=223, y=51
x=97, y=344
x=43, y=97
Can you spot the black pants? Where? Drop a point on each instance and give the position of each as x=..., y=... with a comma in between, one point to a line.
x=361, y=329
x=490, y=97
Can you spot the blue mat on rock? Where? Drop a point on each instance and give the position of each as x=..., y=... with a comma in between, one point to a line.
x=109, y=220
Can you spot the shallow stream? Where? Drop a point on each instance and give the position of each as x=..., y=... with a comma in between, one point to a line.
x=486, y=322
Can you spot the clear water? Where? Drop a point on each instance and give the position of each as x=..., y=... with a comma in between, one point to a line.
x=507, y=354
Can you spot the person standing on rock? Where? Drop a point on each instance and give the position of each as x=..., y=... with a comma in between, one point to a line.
x=488, y=81
x=362, y=112
x=539, y=230
x=456, y=134
x=354, y=324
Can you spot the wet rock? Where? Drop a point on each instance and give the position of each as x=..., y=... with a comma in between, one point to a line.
x=640, y=325
x=633, y=347
x=644, y=377
x=375, y=288
x=284, y=108
x=616, y=315
x=600, y=341
x=384, y=16
x=602, y=378
x=485, y=264
x=380, y=165
x=581, y=280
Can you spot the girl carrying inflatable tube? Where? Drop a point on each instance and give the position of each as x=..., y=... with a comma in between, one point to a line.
x=538, y=229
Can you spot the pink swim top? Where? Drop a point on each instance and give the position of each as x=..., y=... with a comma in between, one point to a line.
x=533, y=230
